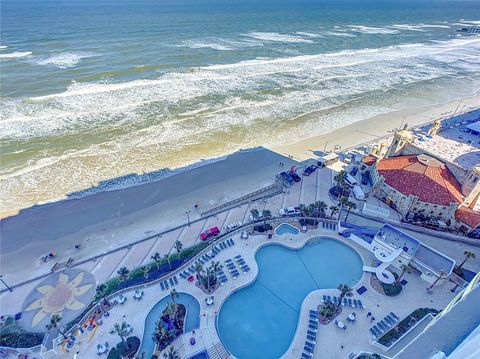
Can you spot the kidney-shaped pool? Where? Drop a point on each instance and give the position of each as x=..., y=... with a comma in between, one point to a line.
x=260, y=320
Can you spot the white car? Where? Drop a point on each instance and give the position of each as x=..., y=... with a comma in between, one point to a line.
x=259, y=218
x=232, y=226
x=289, y=211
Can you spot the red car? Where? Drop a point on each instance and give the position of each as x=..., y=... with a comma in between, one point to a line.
x=209, y=233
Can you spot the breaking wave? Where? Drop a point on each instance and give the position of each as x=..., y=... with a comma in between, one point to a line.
x=14, y=55
x=64, y=60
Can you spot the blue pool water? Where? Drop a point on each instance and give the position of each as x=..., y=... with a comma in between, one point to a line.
x=286, y=228
x=192, y=321
x=202, y=355
x=265, y=314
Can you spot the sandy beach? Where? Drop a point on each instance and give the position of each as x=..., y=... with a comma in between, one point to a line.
x=368, y=130
x=107, y=220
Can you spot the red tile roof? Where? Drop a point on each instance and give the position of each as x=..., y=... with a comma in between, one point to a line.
x=468, y=216
x=369, y=160
x=430, y=180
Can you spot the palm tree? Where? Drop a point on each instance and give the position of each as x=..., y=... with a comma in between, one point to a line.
x=157, y=258
x=216, y=266
x=173, y=294
x=199, y=270
x=350, y=206
x=267, y=214
x=467, y=255
x=327, y=310
x=121, y=329
x=302, y=208
x=334, y=210
x=406, y=268
x=254, y=213
x=441, y=276
x=54, y=322
x=345, y=291
x=178, y=246
x=310, y=209
x=167, y=258
x=162, y=334
x=123, y=273
x=343, y=202
x=170, y=310
x=145, y=270
x=340, y=177
x=321, y=206
x=101, y=291
x=208, y=275
x=171, y=353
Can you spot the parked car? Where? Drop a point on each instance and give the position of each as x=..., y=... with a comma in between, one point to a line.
x=259, y=218
x=295, y=177
x=309, y=170
x=290, y=211
x=354, y=171
x=232, y=226
x=212, y=232
x=287, y=177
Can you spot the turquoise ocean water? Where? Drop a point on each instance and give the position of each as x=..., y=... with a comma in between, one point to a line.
x=96, y=89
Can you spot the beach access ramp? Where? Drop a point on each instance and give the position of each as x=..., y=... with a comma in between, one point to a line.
x=268, y=191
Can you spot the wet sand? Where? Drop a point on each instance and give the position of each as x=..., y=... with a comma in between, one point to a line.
x=375, y=127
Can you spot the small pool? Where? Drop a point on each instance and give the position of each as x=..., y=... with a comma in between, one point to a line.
x=192, y=321
x=265, y=313
x=202, y=355
x=286, y=228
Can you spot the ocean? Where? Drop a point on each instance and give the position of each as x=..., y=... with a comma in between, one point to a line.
x=92, y=90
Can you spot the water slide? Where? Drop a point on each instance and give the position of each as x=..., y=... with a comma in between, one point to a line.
x=381, y=271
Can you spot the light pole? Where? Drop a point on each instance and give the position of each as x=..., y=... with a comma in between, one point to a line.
x=188, y=216
x=5, y=284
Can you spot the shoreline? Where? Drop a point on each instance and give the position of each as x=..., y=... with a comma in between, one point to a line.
x=375, y=128
x=355, y=134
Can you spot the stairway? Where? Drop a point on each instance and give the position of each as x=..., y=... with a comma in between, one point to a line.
x=217, y=351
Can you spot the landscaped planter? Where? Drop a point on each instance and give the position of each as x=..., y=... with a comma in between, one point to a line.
x=389, y=339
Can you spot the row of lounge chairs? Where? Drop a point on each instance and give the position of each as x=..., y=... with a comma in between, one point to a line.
x=243, y=266
x=384, y=325
x=232, y=268
x=222, y=277
x=309, y=346
x=346, y=302
x=172, y=281
x=217, y=248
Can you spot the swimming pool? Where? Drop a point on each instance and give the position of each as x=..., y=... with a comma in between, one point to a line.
x=192, y=321
x=286, y=228
x=265, y=313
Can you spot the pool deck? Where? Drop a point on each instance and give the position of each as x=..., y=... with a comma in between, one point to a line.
x=330, y=339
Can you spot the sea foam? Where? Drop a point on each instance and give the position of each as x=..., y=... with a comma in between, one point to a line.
x=276, y=37
x=14, y=55
x=373, y=30
x=64, y=60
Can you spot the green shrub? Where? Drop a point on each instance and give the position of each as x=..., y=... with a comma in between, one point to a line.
x=401, y=328
x=20, y=339
x=310, y=222
x=261, y=228
x=113, y=354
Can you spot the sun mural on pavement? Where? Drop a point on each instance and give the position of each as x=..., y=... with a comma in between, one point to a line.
x=64, y=293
